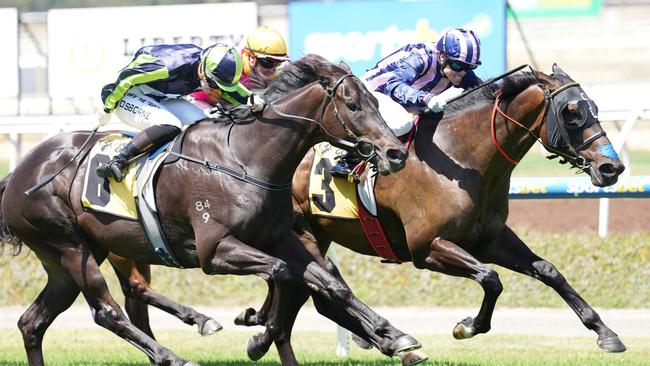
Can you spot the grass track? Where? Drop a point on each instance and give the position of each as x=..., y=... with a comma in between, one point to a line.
x=98, y=347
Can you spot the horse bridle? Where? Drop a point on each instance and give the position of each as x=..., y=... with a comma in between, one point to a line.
x=330, y=95
x=552, y=114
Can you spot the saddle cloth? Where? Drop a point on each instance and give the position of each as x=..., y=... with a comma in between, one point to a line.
x=133, y=197
x=107, y=195
x=338, y=198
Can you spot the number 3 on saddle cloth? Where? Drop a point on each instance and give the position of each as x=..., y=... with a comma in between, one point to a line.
x=119, y=199
x=337, y=197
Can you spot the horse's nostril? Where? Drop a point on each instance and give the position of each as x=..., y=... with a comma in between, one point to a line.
x=608, y=170
x=397, y=155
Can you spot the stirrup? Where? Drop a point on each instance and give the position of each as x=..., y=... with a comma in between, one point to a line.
x=112, y=169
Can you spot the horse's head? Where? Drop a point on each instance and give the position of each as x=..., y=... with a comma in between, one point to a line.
x=573, y=130
x=348, y=114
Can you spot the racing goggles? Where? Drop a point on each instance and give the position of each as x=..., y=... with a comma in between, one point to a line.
x=458, y=66
x=269, y=63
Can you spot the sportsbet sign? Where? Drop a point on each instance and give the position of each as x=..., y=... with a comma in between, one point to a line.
x=363, y=32
x=88, y=47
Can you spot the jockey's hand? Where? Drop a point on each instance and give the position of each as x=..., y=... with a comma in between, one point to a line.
x=437, y=104
x=257, y=103
x=103, y=116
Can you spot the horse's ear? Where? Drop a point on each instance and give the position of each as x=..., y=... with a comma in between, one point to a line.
x=557, y=70
x=345, y=67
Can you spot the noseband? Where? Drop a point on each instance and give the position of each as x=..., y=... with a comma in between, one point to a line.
x=330, y=96
x=572, y=157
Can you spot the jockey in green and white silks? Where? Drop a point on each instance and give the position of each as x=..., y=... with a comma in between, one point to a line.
x=162, y=72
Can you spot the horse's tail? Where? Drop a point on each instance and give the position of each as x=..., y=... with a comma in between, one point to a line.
x=6, y=237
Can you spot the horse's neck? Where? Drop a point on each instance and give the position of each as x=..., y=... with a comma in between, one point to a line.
x=271, y=147
x=466, y=139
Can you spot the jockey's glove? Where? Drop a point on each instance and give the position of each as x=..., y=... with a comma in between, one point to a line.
x=437, y=103
x=257, y=103
x=103, y=116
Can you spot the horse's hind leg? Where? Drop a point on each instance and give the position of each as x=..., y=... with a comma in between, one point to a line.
x=448, y=258
x=57, y=296
x=135, y=279
x=82, y=267
x=509, y=251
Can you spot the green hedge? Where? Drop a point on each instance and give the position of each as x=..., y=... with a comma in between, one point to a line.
x=608, y=272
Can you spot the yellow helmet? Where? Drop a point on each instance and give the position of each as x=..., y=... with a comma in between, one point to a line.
x=267, y=42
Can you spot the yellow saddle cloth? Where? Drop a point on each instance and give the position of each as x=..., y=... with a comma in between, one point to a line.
x=107, y=195
x=328, y=195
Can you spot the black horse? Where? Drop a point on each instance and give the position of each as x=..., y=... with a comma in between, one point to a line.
x=245, y=230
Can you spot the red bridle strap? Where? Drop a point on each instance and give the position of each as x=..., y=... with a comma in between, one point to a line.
x=496, y=109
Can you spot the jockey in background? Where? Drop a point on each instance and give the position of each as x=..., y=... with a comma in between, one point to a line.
x=264, y=52
x=163, y=72
x=418, y=78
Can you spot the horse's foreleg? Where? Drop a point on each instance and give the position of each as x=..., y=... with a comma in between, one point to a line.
x=228, y=255
x=57, y=296
x=511, y=252
x=448, y=258
x=251, y=317
x=135, y=279
x=334, y=299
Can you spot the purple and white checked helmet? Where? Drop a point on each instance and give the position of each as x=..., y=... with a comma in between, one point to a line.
x=462, y=45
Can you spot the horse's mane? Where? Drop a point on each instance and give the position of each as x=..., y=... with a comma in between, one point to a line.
x=510, y=86
x=297, y=74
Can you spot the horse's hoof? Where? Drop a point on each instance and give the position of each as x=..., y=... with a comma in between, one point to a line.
x=405, y=343
x=362, y=343
x=464, y=329
x=412, y=358
x=209, y=326
x=253, y=351
x=611, y=344
x=244, y=317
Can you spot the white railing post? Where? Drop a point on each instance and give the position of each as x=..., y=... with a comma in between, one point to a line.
x=619, y=146
x=342, y=334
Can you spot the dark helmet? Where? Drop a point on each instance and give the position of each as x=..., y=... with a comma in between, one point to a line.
x=461, y=45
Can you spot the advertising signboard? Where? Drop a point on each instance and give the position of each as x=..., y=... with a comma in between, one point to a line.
x=9, y=59
x=88, y=47
x=363, y=32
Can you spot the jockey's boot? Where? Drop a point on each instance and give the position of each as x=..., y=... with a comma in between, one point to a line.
x=150, y=138
x=344, y=166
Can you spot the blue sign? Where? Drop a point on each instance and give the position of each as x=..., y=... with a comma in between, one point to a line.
x=578, y=187
x=363, y=32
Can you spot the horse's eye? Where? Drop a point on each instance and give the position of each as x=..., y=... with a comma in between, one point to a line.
x=353, y=106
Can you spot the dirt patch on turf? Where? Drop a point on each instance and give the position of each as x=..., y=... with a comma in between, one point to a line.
x=579, y=215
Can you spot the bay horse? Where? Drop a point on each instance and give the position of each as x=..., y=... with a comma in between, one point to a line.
x=447, y=210
x=247, y=229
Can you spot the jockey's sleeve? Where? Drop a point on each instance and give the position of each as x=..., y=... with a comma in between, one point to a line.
x=143, y=69
x=236, y=97
x=398, y=86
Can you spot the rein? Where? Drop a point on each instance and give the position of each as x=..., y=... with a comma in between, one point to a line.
x=575, y=160
x=330, y=94
x=237, y=174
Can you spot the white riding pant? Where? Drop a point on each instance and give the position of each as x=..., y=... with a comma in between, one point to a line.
x=397, y=118
x=141, y=111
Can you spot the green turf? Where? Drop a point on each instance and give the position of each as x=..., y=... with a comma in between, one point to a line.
x=596, y=267
x=99, y=347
